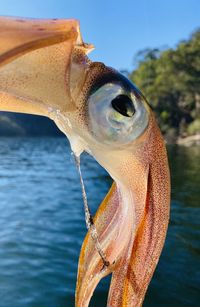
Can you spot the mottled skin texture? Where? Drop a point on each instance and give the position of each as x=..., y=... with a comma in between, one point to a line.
x=151, y=225
x=44, y=70
x=148, y=180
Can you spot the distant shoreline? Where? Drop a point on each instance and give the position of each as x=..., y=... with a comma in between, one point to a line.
x=192, y=140
x=23, y=125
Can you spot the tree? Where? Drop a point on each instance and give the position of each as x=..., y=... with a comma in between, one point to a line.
x=170, y=80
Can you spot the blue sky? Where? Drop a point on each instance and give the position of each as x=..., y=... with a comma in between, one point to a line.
x=118, y=29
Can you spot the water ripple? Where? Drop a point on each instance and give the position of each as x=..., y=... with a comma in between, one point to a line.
x=42, y=226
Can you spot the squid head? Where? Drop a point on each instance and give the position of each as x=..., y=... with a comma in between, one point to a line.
x=44, y=70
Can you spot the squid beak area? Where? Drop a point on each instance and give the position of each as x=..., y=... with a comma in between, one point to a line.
x=35, y=59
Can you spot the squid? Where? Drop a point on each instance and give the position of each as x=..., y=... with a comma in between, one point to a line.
x=45, y=70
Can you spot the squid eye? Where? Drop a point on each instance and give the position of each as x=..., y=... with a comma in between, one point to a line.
x=117, y=112
x=123, y=105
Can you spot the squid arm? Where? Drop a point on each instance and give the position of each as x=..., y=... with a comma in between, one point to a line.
x=44, y=70
x=136, y=253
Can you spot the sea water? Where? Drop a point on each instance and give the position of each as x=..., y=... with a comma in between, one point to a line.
x=42, y=225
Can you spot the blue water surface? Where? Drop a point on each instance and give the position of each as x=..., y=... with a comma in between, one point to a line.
x=42, y=226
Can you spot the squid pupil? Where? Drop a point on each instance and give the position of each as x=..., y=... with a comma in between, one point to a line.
x=124, y=105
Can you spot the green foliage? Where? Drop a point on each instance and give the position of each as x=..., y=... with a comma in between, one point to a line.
x=170, y=80
x=194, y=127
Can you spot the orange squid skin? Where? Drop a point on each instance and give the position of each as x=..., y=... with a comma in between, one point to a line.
x=149, y=182
x=151, y=227
x=44, y=70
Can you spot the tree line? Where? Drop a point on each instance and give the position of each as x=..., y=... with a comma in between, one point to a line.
x=170, y=80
